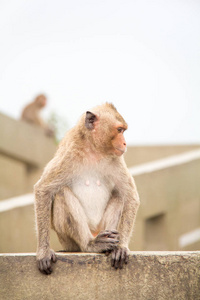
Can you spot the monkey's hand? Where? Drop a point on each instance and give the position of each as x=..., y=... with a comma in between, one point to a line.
x=119, y=256
x=44, y=264
x=106, y=240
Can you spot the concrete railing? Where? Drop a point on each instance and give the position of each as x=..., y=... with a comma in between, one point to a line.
x=24, y=142
x=165, y=163
x=148, y=275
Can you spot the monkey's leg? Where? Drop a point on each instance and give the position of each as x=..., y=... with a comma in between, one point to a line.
x=112, y=214
x=69, y=220
x=58, y=224
x=68, y=244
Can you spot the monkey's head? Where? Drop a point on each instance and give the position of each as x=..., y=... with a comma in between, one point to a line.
x=41, y=101
x=104, y=126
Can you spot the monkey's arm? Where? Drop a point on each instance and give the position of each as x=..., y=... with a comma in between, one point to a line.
x=30, y=114
x=45, y=190
x=43, y=204
x=130, y=206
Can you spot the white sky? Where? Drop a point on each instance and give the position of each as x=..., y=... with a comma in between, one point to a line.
x=144, y=56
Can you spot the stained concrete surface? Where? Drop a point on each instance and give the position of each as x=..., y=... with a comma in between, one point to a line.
x=147, y=276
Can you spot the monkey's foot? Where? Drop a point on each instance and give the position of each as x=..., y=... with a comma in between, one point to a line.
x=44, y=264
x=119, y=257
x=106, y=240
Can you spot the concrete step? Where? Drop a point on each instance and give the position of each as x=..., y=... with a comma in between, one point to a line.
x=77, y=276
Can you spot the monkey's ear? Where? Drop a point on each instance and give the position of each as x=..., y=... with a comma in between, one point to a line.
x=90, y=119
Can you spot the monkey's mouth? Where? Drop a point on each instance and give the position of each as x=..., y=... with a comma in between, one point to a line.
x=121, y=150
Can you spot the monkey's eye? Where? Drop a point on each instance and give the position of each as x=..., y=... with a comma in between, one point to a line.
x=120, y=129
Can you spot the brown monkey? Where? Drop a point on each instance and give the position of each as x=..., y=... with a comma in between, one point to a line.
x=31, y=112
x=86, y=191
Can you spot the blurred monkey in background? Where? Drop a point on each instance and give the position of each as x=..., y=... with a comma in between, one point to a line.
x=31, y=114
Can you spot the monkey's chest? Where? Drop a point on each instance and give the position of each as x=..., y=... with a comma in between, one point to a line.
x=93, y=193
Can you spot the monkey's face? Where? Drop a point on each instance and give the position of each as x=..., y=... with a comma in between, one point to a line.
x=111, y=139
x=106, y=127
x=118, y=140
x=41, y=101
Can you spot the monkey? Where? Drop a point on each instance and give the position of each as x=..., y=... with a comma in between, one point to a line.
x=31, y=115
x=86, y=193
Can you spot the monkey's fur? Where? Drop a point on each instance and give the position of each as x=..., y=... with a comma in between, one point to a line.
x=86, y=193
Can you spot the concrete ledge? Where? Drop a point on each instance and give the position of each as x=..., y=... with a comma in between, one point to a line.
x=28, y=144
x=148, y=275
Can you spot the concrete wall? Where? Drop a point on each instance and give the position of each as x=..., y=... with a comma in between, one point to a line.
x=147, y=276
x=137, y=155
x=169, y=216
x=24, y=151
x=170, y=208
x=17, y=226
